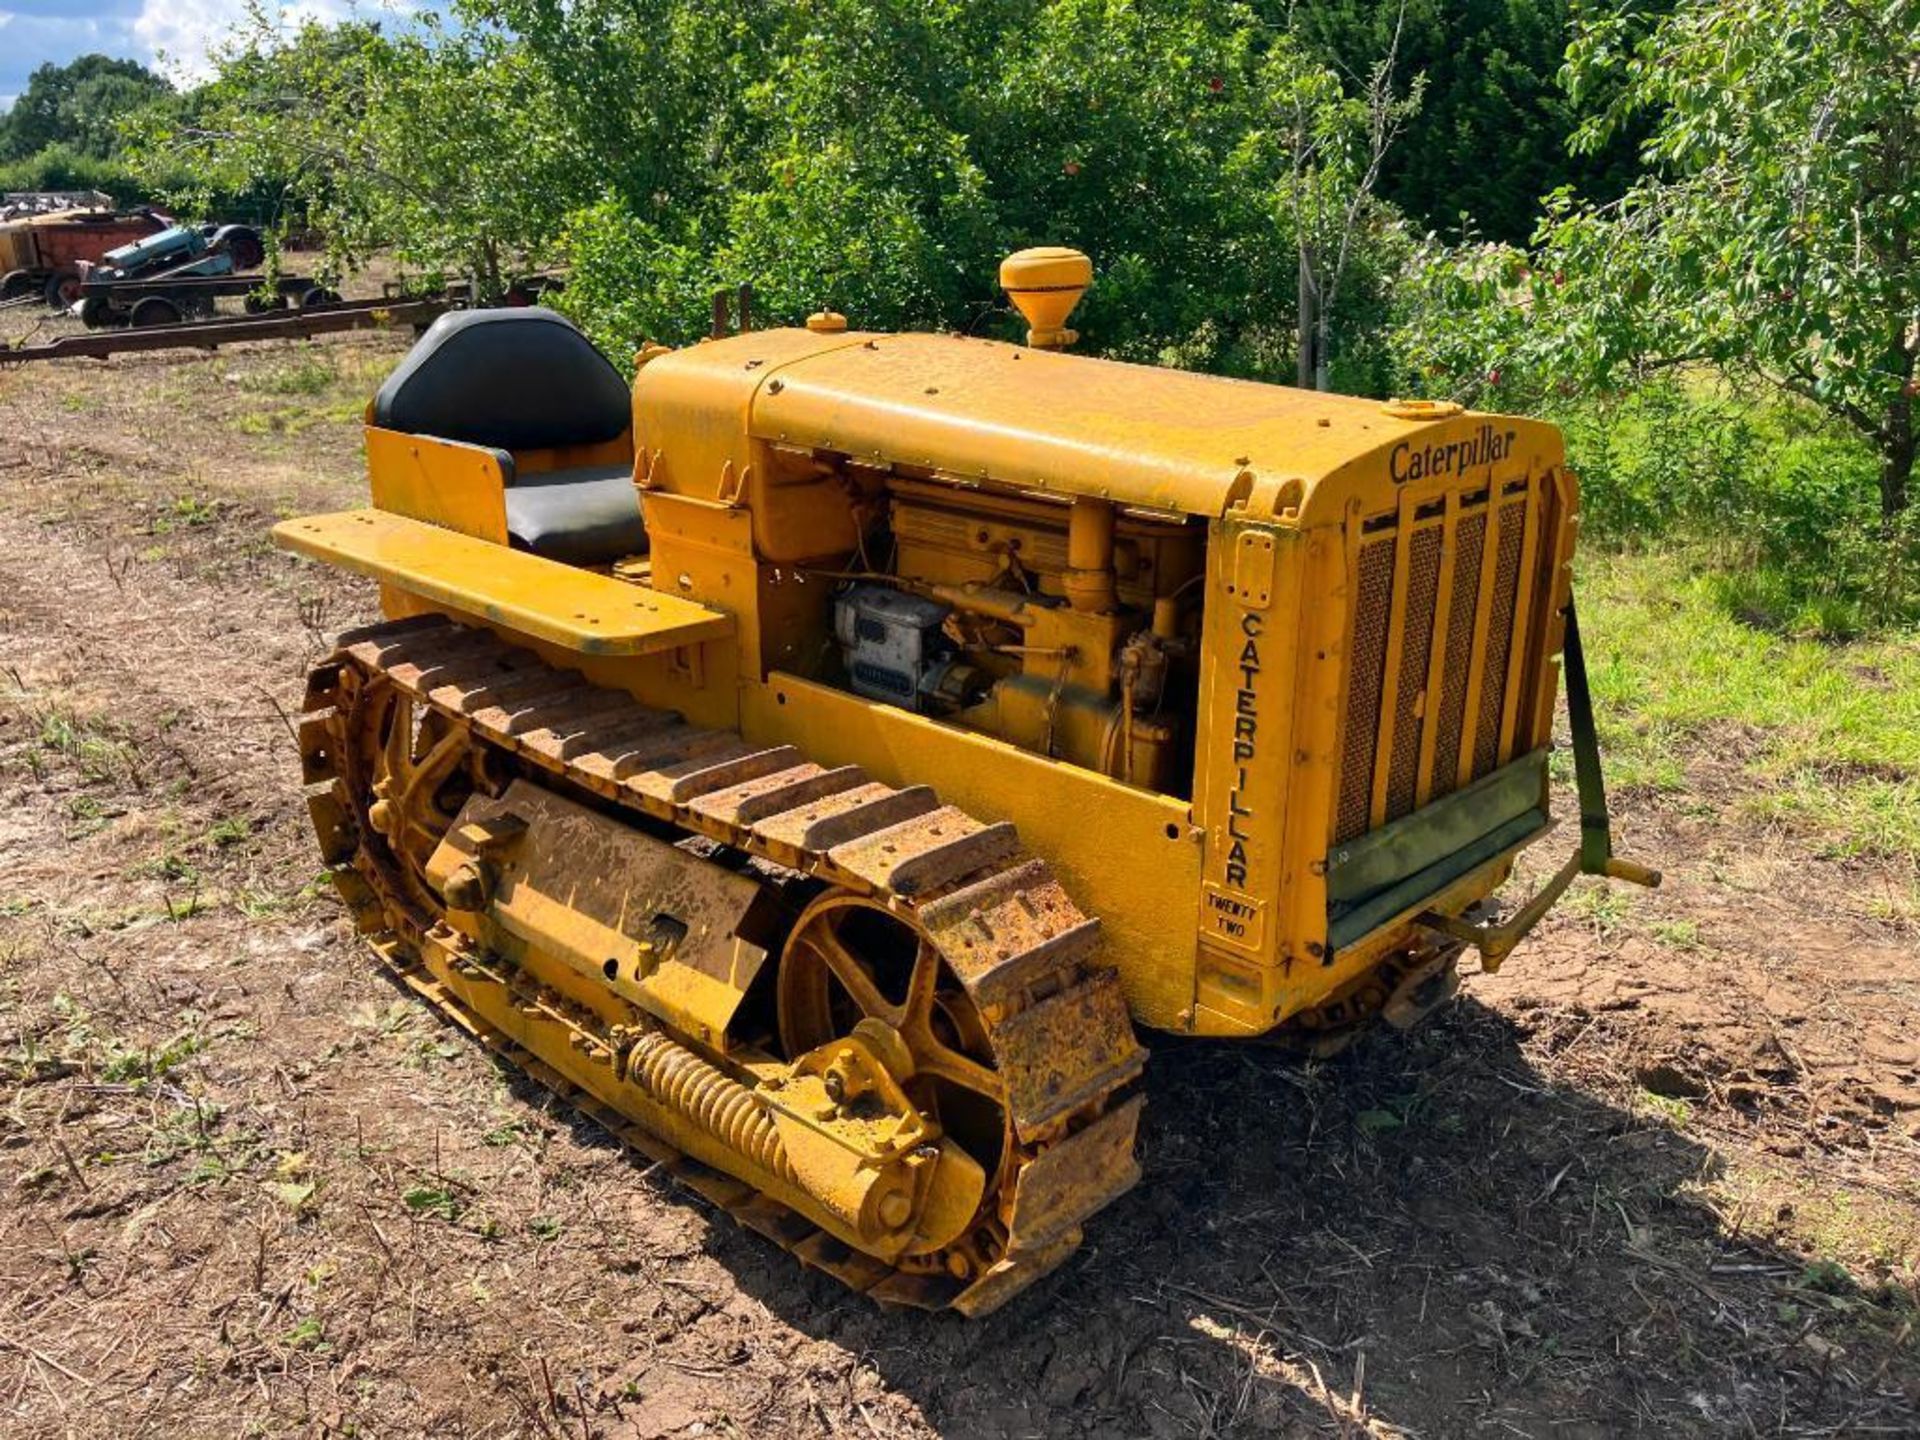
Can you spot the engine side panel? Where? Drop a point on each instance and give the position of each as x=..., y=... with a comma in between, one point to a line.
x=1129, y=855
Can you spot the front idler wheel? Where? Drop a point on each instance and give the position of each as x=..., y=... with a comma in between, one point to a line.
x=864, y=986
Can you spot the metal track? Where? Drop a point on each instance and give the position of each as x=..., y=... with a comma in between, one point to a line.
x=1058, y=1024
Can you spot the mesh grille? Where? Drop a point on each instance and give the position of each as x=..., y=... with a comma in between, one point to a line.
x=1493, y=685
x=1470, y=539
x=1416, y=647
x=1371, y=613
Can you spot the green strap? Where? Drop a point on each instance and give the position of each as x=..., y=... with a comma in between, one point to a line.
x=1596, y=834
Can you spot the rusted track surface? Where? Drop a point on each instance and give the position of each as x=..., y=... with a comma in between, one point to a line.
x=1059, y=1029
x=211, y=334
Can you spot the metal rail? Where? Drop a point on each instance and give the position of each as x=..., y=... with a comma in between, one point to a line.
x=195, y=284
x=211, y=334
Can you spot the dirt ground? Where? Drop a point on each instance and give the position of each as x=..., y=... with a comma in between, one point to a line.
x=1659, y=1175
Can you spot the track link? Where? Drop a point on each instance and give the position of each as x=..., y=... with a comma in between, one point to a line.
x=1005, y=927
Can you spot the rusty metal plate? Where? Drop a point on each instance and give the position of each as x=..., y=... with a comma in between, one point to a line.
x=1061, y=1053
x=323, y=687
x=926, y=852
x=846, y=816
x=1009, y=930
x=1008, y=1278
x=657, y=926
x=1073, y=1179
x=333, y=825
x=775, y=794
x=732, y=770
x=317, y=760
x=680, y=754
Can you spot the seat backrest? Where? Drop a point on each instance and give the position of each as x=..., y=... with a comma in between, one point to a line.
x=517, y=379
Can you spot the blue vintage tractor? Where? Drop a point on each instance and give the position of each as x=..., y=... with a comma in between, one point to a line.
x=183, y=252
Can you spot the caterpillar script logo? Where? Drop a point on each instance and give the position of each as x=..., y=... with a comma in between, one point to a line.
x=1456, y=457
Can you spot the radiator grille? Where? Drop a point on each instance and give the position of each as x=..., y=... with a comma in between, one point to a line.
x=1471, y=538
x=1423, y=589
x=1493, y=687
x=1365, y=680
x=1376, y=609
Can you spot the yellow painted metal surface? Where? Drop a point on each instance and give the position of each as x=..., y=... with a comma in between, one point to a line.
x=1045, y=283
x=702, y=1112
x=536, y=920
x=762, y=458
x=1165, y=646
x=655, y=926
x=459, y=487
x=572, y=608
x=1125, y=854
x=1249, y=650
x=1336, y=596
x=691, y=412
x=971, y=410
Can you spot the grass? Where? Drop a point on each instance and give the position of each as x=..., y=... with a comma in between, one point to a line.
x=433, y=1201
x=289, y=419
x=1605, y=907
x=127, y=1063
x=186, y=511
x=1853, y=1238
x=1822, y=737
x=93, y=743
x=1780, y=501
x=71, y=1036
x=1670, y=1109
x=308, y=373
x=1677, y=934
x=231, y=831
x=314, y=385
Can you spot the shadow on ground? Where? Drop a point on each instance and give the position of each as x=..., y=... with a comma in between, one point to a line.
x=1425, y=1235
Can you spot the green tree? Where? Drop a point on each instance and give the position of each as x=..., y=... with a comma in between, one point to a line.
x=1777, y=234
x=1124, y=128
x=79, y=106
x=1495, y=120
x=881, y=155
x=439, y=147
x=1465, y=327
x=1330, y=148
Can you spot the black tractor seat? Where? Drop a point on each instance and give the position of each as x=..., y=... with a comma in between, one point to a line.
x=524, y=379
x=585, y=516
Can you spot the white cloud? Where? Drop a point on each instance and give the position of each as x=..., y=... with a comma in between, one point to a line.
x=174, y=36
x=182, y=35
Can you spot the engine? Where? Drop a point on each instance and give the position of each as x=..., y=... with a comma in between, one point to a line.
x=1067, y=628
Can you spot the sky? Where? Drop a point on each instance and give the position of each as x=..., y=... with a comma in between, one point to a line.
x=172, y=36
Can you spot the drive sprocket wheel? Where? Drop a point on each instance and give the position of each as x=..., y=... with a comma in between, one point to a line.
x=409, y=769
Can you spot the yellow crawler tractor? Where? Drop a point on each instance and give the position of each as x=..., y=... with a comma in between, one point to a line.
x=816, y=760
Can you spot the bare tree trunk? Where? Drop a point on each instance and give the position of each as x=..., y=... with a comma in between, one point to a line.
x=490, y=280
x=1896, y=459
x=1327, y=228
x=1306, y=372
